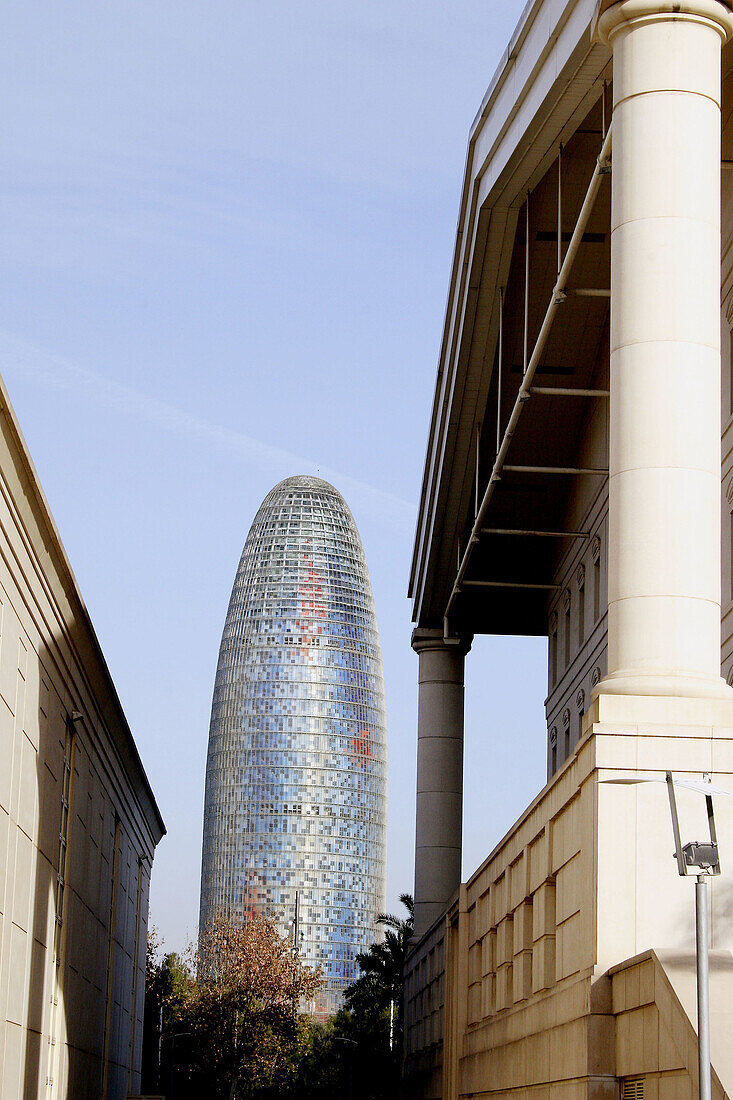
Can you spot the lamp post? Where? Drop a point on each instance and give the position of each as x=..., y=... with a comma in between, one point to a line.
x=350, y=1063
x=702, y=857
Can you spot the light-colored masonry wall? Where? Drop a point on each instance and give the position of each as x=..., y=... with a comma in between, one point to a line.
x=519, y=989
x=77, y=825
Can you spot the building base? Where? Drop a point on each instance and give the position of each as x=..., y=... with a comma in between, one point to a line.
x=567, y=961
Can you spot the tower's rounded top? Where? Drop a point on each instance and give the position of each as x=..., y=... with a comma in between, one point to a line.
x=304, y=481
x=293, y=490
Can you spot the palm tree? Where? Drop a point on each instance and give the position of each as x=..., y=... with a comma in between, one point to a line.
x=382, y=967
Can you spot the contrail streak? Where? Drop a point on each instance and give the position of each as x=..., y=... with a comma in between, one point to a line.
x=26, y=360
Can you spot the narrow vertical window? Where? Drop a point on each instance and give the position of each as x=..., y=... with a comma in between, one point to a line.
x=111, y=934
x=730, y=576
x=61, y=891
x=135, y=972
x=552, y=655
x=596, y=553
x=580, y=704
x=730, y=373
x=567, y=636
x=596, y=590
x=581, y=616
x=63, y=839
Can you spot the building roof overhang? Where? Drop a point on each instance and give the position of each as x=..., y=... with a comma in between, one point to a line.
x=549, y=79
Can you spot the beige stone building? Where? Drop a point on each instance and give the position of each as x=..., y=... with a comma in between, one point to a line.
x=574, y=487
x=78, y=822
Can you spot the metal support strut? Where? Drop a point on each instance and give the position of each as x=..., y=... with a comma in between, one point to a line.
x=559, y=209
x=478, y=465
x=558, y=295
x=539, y=534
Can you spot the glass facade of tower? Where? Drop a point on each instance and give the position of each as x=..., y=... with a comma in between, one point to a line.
x=296, y=774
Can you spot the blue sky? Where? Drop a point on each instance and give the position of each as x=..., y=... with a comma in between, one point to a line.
x=227, y=235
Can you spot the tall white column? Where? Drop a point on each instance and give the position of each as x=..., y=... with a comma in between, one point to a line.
x=664, y=489
x=439, y=811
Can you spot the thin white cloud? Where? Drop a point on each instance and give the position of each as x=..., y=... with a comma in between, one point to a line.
x=45, y=368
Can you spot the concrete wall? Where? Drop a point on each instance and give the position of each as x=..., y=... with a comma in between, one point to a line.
x=655, y=1038
x=78, y=823
x=425, y=1003
x=518, y=978
x=530, y=945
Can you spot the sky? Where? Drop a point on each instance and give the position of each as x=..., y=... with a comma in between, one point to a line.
x=227, y=231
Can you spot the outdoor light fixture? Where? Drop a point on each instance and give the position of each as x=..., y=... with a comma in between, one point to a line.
x=695, y=854
x=702, y=858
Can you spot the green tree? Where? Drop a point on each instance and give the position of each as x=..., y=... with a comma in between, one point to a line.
x=232, y=1028
x=379, y=986
x=166, y=986
x=242, y=1008
x=357, y=1054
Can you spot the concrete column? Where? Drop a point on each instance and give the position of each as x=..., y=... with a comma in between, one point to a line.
x=664, y=490
x=439, y=818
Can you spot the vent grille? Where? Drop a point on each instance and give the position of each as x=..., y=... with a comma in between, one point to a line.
x=633, y=1090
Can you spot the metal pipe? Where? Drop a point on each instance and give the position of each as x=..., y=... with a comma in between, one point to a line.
x=526, y=292
x=675, y=825
x=507, y=584
x=555, y=470
x=703, y=1004
x=540, y=534
x=478, y=454
x=560, y=391
x=559, y=209
x=524, y=389
x=498, y=373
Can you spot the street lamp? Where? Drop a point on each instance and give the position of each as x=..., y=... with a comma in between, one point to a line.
x=350, y=1061
x=703, y=858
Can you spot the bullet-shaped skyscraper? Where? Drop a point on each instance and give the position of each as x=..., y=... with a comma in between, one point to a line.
x=296, y=774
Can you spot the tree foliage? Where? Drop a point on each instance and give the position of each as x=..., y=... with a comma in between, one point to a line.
x=232, y=1026
x=166, y=983
x=382, y=967
x=232, y=1029
x=357, y=1054
x=243, y=1006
